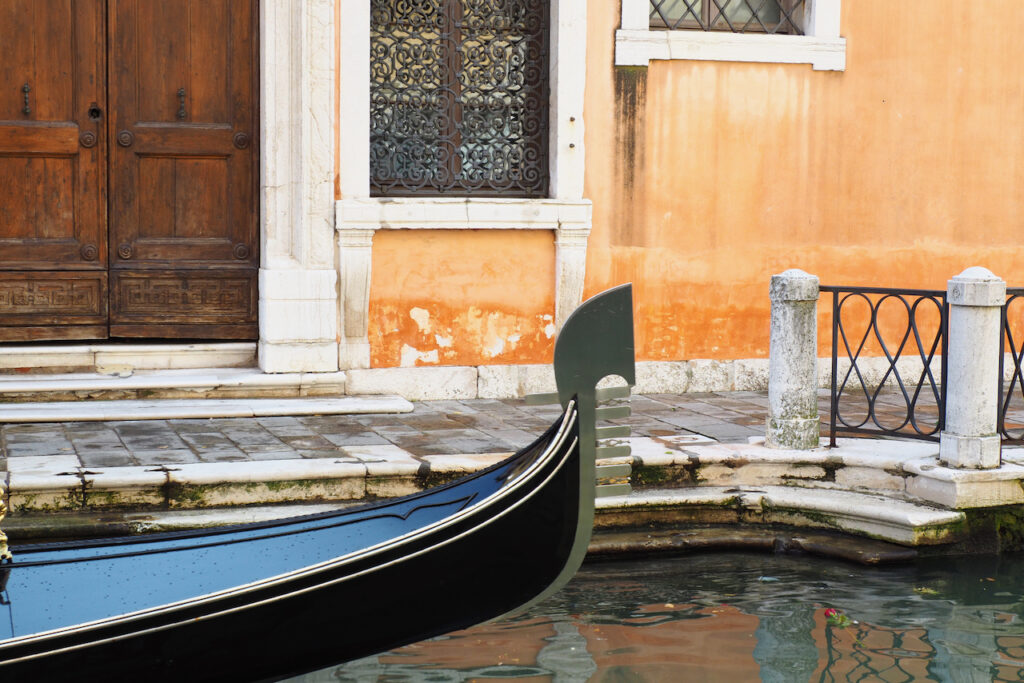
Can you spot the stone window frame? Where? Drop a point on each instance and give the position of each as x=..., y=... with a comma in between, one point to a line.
x=821, y=46
x=358, y=215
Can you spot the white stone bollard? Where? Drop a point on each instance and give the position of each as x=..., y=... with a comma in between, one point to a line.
x=793, y=362
x=969, y=438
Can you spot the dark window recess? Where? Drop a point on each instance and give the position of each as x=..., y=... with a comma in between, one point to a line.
x=459, y=97
x=737, y=16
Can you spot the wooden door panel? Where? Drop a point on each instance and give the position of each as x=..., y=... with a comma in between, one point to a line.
x=53, y=298
x=183, y=180
x=52, y=169
x=184, y=304
x=38, y=48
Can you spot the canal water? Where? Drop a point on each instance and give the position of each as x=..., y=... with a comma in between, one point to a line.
x=740, y=617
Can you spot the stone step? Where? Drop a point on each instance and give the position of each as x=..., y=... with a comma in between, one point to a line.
x=901, y=468
x=128, y=383
x=40, y=485
x=110, y=358
x=882, y=517
x=166, y=409
x=605, y=544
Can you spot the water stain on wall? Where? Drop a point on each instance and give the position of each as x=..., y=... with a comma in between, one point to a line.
x=630, y=156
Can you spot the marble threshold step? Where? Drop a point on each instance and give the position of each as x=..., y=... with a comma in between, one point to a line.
x=128, y=383
x=107, y=357
x=180, y=409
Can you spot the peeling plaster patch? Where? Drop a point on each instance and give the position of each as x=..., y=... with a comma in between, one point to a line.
x=514, y=338
x=410, y=356
x=496, y=348
x=443, y=342
x=549, y=330
x=422, y=318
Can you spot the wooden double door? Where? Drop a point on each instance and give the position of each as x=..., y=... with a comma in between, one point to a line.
x=128, y=181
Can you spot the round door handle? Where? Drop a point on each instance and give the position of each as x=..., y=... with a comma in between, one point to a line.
x=125, y=138
x=87, y=139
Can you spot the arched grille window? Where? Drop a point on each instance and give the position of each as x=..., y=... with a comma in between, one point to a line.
x=459, y=97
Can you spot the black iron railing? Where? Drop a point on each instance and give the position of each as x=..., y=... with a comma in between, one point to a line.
x=890, y=404
x=1011, y=424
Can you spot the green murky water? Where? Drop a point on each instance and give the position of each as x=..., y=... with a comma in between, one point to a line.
x=739, y=617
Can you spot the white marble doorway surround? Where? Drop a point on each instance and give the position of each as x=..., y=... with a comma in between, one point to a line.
x=298, y=275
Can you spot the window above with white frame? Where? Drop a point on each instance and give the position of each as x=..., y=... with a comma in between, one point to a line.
x=773, y=31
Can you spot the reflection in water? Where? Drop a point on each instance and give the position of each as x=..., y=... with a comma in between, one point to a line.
x=741, y=617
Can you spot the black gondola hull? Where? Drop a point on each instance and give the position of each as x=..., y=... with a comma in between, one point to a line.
x=479, y=566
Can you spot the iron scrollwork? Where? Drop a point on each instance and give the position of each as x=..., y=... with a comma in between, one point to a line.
x=909, y=327
x=459, y=97
x=1012, y=349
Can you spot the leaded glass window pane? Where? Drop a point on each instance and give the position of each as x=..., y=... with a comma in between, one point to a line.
x=738, y=16
x=459, y=97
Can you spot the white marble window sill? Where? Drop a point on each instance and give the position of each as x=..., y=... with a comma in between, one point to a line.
x=461, y=213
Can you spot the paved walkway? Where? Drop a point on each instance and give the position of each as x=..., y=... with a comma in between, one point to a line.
x=433, y=428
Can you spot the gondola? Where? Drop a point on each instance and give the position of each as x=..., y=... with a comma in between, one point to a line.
x=266, y=600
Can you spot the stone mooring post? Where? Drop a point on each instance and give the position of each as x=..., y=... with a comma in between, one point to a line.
x=969, y=438
x=793, y=362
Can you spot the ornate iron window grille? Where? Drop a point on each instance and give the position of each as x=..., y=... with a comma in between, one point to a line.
x=922, y=400
x=459, y=97
x=737, y=16
x=1007, y=392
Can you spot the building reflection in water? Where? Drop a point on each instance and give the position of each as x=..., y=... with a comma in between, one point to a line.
x=741, y=617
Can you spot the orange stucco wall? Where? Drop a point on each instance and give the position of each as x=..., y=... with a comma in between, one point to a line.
x=708, y=177
x=465, y=297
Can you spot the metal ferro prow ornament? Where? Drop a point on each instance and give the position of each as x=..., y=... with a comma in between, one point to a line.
x=595, y=342
x=5, y=554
